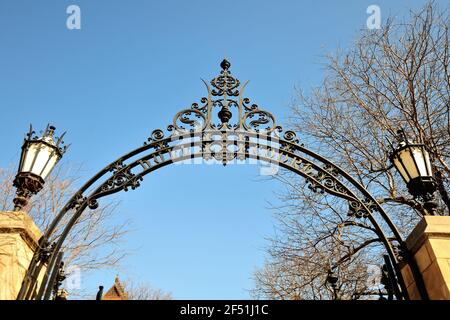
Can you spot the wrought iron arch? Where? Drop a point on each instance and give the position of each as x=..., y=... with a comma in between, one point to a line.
x=239, y=131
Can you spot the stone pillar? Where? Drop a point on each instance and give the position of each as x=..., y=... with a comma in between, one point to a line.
x=429, y=243
x=19, y=237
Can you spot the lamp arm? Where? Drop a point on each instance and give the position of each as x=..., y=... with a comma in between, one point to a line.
x=355, y=250
x=402, y=200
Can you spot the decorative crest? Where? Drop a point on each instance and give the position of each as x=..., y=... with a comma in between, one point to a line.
x=225, y=109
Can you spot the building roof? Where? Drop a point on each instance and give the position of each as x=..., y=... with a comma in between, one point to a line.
x=116, y=292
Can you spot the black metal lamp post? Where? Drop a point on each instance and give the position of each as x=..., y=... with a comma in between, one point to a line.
x=332, y=280
x=412, y=161
x=386, y=281
x=39, y=156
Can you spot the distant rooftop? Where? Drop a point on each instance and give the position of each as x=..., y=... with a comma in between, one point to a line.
x=116, y=292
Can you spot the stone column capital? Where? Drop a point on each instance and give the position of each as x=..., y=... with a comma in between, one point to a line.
x=429, y=244
x=19, y=222
x=19, y=238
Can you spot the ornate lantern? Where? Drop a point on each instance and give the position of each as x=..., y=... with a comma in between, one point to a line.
x=412, y=161
x=39, y=156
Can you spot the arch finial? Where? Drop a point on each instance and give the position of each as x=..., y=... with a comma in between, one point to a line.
x=225, y=64
x=234, y=111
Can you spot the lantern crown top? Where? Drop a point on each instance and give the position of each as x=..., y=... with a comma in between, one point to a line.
x=48, y=134
x=48, y=137
x=401, y=138
x=402, y=141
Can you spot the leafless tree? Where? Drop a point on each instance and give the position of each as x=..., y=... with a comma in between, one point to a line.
x=143, y=291
x=393, y=78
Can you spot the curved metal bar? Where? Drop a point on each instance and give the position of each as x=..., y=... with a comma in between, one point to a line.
x=166, y=141
x=96, y=194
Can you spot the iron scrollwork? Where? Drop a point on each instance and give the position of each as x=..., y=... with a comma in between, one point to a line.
x=46, y=251
x=122, y=179
x=189, y=120
x=224, y=95
x=235, y=136
x=225, y=84
x=259, y=120
x=77, y=201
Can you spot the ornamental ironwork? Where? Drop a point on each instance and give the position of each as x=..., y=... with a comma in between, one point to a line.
x=224, y=126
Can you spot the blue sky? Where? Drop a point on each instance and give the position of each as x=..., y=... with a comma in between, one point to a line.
x=129, y=69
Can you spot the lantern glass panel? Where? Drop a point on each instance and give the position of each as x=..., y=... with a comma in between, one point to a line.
x=401, y=170
x=420, y=161
x=28, y=157
x=43, y=155
x=405, y=163
x=54, y=158
x=428, y=162
x=39, y=159
x=412, y=162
